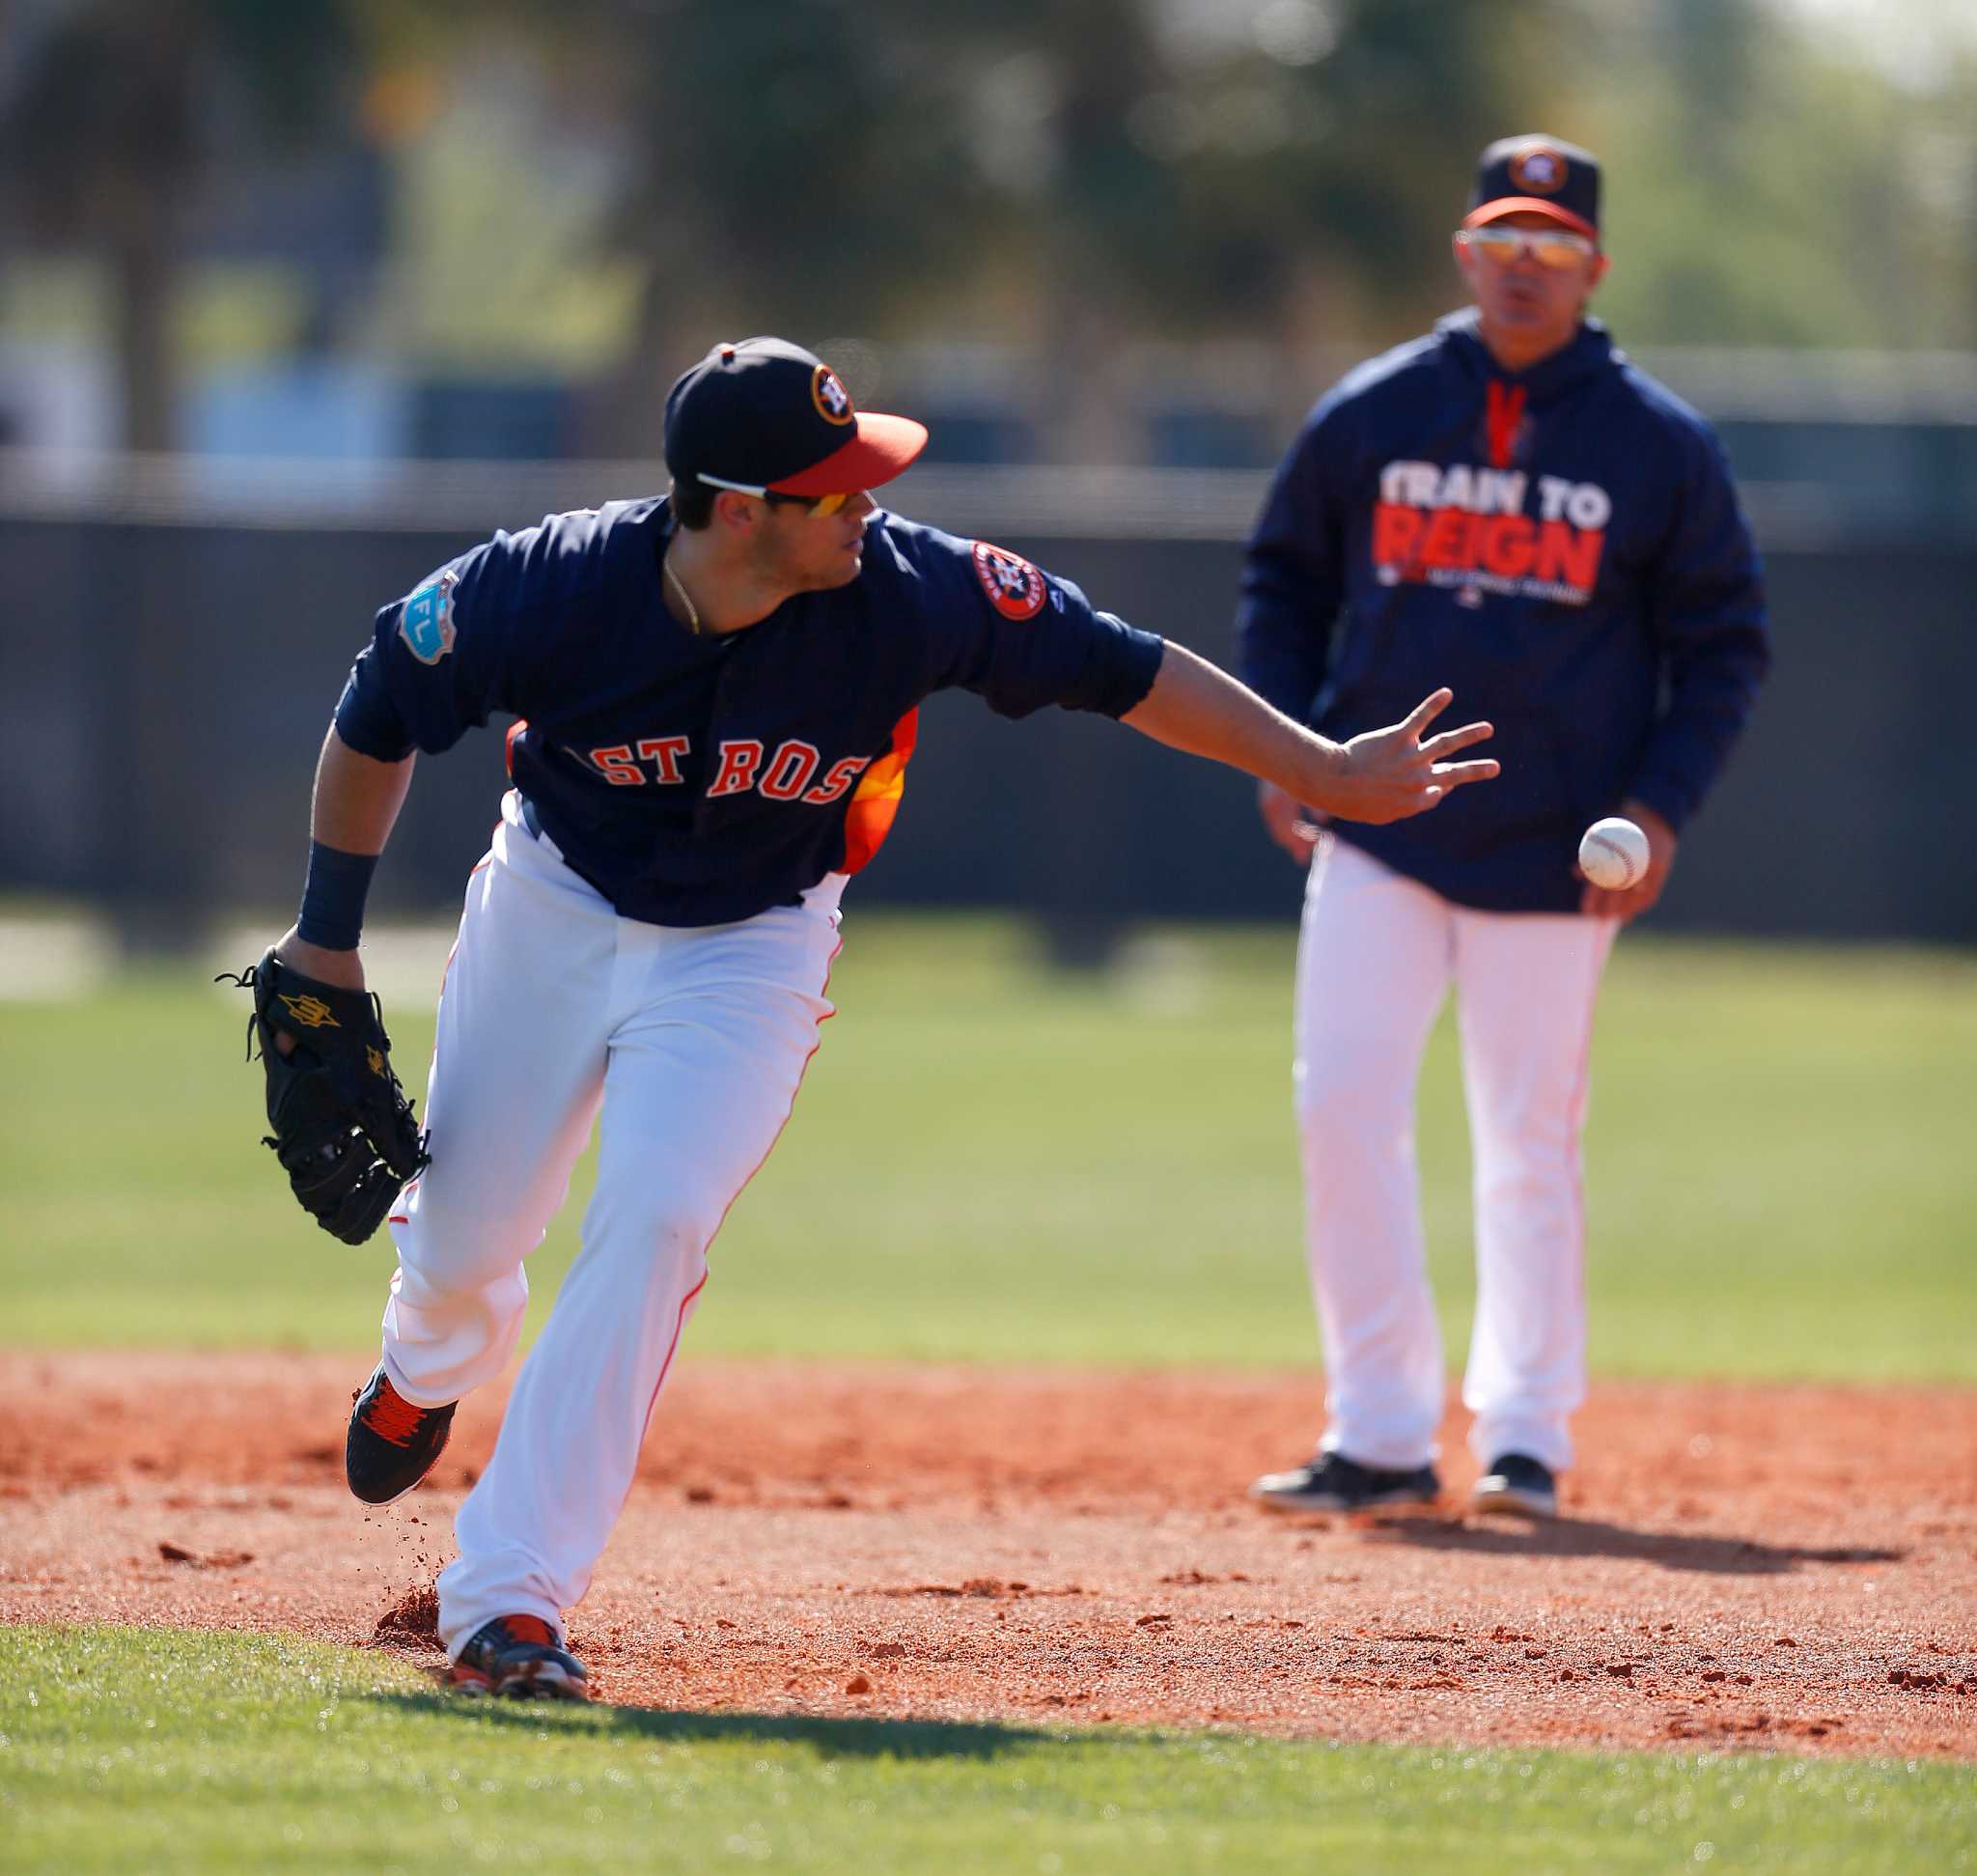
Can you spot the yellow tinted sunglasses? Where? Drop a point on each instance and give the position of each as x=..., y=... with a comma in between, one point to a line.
x=815, y=506
x=1555, y=248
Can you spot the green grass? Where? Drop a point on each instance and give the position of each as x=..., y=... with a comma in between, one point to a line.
x=167, y=1750
x=994, y=1161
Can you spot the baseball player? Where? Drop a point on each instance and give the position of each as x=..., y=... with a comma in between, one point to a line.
x=717, y=691
x=1510, y=501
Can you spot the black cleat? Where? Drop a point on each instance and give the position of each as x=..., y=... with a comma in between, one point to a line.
x=392, y=1445
x=1332, y=1482
x=516, y=1656
x=1518, y=1482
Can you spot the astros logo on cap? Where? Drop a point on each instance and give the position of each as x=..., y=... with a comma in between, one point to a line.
x=827, y=392
x=1538, y=170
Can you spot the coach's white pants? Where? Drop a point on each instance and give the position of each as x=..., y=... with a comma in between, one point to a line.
x=693, y=1042
x=1377, y=955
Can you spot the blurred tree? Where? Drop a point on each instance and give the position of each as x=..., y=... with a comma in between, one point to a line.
x=1061, y=174
x=793, y=165
x=1337, y=136
x=1768, y=187
x=108, y=124
x=109, y=121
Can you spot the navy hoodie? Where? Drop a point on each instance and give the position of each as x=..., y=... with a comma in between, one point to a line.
x=1561, y=547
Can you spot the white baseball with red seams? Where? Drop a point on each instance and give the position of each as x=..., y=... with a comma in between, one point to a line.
x=1613, y=854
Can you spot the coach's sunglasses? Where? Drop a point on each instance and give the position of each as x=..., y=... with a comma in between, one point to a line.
x=815, y=506
x=1557, y=249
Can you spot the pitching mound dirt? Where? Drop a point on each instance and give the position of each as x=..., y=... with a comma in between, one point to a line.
x=1788, y=1568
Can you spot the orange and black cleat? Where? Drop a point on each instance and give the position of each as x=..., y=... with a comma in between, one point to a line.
x=392, y=1445
x=517, y=1657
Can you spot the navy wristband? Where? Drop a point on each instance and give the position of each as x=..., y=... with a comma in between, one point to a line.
x=332, y=913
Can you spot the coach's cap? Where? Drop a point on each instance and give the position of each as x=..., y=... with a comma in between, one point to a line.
x=1536, y=175
x=764, y=416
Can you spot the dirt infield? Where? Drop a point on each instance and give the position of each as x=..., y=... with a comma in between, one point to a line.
x=1783, y=1568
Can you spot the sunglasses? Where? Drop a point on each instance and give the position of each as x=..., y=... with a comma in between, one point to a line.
x=814, y=506
x=1557, y=249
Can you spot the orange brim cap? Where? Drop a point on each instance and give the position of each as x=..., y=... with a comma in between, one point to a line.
x=882, y=448
x=1529, y=205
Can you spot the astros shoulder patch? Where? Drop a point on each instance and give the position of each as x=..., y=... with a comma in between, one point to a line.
x=1013, y=586
x=427, y=623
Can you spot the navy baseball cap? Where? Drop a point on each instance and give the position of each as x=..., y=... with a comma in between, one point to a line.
x=765, y=417
x=1536, y=175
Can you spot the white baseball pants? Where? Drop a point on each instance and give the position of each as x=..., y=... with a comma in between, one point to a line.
x=693, y=1042
x=1377, y=955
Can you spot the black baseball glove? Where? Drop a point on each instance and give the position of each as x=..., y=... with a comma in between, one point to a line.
x=344, y=1131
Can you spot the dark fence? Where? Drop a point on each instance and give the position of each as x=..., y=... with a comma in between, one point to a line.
x=164, y=688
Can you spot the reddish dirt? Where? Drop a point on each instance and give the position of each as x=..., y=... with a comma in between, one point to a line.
x=1785, y=1568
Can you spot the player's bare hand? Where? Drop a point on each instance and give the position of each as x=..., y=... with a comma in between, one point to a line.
x=1389, y=775
x=1287, y=822
x=342, y=969
x=1385, y=775
x=1629, y=902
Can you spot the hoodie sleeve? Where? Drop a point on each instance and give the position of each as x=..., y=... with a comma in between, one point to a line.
x=1294, y=576
x=1708, y=611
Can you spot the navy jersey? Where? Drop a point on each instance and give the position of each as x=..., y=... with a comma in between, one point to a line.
x=694, y=781
x=1562, y=548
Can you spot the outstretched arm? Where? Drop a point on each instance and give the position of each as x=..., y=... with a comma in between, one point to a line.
x=1383, y=775
x=356, y=803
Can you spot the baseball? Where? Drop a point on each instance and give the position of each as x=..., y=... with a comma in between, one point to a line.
x=1613, y=854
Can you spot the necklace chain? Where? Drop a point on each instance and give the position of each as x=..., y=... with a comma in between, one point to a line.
x=685, y=599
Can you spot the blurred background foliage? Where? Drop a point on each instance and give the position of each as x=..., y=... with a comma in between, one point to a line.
x=575, y=190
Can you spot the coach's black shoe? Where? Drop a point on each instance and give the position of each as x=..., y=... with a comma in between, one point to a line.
x=392, y=1445
x=516, y=1656
x=1518, y=1482
x=1332, y=1482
